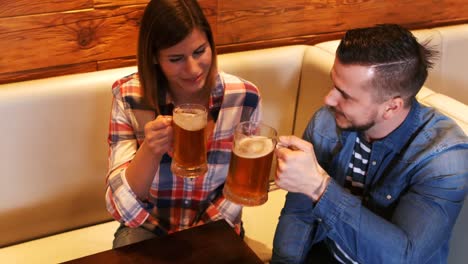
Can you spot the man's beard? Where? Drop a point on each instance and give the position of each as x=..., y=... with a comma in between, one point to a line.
x=360, y=128
x=353, y=127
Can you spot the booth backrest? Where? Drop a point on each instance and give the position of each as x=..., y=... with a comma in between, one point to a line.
x=315, y=84
x=54, y=154
x=277, y=73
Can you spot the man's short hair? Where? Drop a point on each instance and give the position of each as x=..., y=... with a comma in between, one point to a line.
x=401, y=63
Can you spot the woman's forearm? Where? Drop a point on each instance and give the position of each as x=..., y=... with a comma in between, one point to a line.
x=141, y=171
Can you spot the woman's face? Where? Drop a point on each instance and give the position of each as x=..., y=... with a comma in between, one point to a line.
x=186, y=65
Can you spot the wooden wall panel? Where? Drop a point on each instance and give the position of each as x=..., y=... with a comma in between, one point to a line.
x=54, y=37
x=210, y=9
x=38, y=73
x=253, y=21
x=72, y=41
x=72, y=38
x=99, y=3
x=116, y=63
x=11, y=8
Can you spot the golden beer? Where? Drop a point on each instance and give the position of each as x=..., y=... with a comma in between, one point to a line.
x=189, y=123
x=249, y=170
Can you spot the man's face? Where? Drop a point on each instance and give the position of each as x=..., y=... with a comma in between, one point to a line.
x=351, y=97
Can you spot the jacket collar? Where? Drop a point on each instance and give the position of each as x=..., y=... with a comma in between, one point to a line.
x=399, y=137
x=403, y=134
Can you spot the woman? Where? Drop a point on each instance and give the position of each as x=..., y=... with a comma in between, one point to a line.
x=176, y=64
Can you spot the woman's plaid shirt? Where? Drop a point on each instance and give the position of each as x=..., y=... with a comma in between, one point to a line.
x=176, y=203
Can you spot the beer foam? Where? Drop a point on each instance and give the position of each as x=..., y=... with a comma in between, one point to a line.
x=192, y=120
x=253, y=147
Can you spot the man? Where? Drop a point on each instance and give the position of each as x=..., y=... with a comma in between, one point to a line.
x=378, y=178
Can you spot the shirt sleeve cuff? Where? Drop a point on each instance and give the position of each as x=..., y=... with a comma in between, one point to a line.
x=130, y=208
x=336, y=205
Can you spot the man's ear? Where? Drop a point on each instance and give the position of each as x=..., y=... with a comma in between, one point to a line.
x=393, y=107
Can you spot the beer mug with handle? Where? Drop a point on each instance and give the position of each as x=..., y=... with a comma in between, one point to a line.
x=249, y=169
x=189, y=123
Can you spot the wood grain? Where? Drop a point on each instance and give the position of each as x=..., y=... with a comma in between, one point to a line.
x=101, y=3
x=116, y=63
x=300, y=40
x=44, y=36
x=47, y=72
x=69, y=38
x=267, y=20
x=11, y=8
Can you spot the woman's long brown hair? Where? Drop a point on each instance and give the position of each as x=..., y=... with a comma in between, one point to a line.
x=164, y=24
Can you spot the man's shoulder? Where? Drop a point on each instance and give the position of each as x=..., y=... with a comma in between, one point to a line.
x=440, y=131
x=323, y=123
x=436, y=140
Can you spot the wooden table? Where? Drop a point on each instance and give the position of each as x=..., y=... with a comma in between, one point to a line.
x=211, y=243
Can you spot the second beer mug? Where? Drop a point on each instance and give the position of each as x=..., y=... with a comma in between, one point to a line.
x=189, y=159
x=249, y=170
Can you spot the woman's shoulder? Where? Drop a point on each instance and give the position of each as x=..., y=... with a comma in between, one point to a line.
x=129, y=91
x=235, y=84
x=127, y=86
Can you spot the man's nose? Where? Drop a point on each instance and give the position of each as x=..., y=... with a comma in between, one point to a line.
x=331, y=99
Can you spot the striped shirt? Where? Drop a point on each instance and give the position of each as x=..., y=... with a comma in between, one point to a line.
x=356, y=177
x=355, y=182
x=176, y=203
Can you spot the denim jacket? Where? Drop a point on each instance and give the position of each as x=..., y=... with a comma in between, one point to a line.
x=415, y=188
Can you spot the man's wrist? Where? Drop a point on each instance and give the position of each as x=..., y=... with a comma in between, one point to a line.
x=318, y=193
